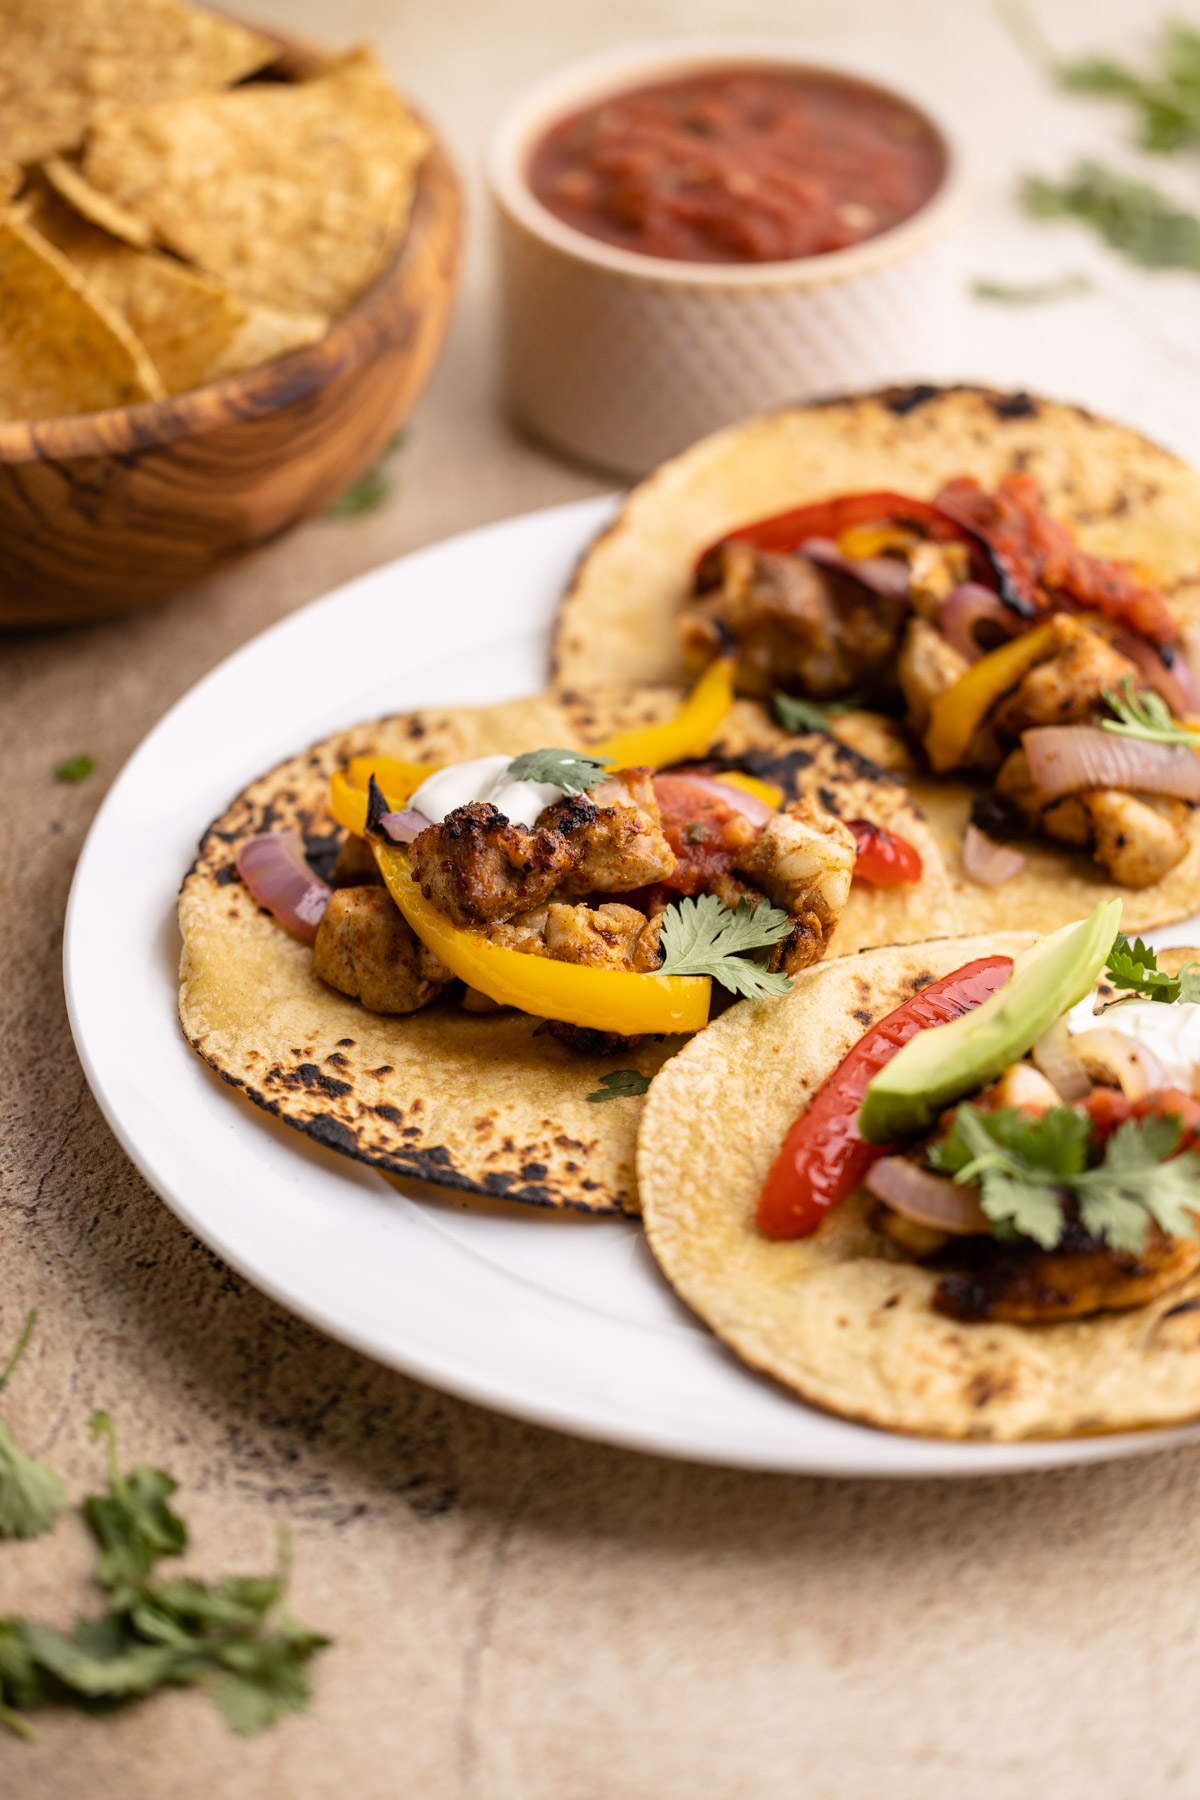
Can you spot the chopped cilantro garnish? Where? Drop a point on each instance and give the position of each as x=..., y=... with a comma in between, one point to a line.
x=1026, y=1168
x=705, y=937
x=1031, y=293
x=1136, y=219
x=1136, y=967
x=622, y=1084
x=1147, y=716
x=30, y=1492
x=574, y=771
x=76, y=768
x=810, y=715
x=1168, y=97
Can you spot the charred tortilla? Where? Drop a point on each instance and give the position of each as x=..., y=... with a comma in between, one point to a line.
x=476, y=1102
x=1122, y=495
x=841, y=1317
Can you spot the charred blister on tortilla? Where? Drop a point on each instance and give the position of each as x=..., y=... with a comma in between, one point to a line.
x=1044, y=1167
x=1056, y=677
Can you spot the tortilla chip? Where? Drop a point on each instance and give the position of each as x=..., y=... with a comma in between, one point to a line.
x=841, y=1317
x=12, y=175
x=470, y=1101
x=63, y=63
x=95, y=206
x=264, y=334
x=1122, y=495
x=186, y=321
x=294, y=194
x=63, y=350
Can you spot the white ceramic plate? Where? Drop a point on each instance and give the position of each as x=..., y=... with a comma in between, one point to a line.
x=561, y=1320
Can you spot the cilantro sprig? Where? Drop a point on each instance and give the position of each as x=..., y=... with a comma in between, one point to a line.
x=30, y=1492
x=574, y=771
x=1134, y=966
x=1028, y=1168
x=706, y=937
x=1144, y=224
x=811, y=715
x=621, y=1084
x=1167, y=97
x=230, y=1636
x=1146, y=716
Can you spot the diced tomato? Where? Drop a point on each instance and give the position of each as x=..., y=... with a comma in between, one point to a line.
x=706, y=833
x=884, y=859
x=1108, y=1108
x=823, y=1156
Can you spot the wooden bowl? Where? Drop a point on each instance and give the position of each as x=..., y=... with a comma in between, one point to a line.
x=111, y=512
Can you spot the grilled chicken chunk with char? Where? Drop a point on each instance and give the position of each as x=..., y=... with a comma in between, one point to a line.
x=365, y=948
x=616, y=835
x=1026, y=1285
x=928, y=666
x=797, y=625
x=477, y=867
x=1136, y=837
x=1068, y=687
x=803, y=859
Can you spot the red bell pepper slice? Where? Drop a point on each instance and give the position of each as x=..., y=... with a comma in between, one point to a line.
x=823, y=1157
x=884, y=858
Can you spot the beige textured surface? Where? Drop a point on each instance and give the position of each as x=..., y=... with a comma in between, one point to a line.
x=520, y=1616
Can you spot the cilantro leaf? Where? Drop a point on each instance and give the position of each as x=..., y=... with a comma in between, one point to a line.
x=705, y=937
x=622, y=1084
x=266, y=1677
x=1146, y=716
x=371, y=490
x=21, y=1684
x=574, y=771
x=1136, y=219
x=1135, y=966
x=102, y=1660
x=1140, y=1180
x=1031, y=293
x=30, y=1492
x=76, y=768
x=132, y=1523
x=1020, y=1163
x=810, y=715
x=1168, y=97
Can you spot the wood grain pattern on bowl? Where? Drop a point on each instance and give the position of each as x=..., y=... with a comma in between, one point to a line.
x=113, y=511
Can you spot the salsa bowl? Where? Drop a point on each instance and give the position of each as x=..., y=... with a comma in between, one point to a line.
x=622, y=359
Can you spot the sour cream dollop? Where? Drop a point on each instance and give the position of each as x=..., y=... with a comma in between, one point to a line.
x=1170, y=1033
x=484, y=778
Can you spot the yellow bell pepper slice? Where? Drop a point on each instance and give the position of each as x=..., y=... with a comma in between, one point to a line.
x=681, y=739
x=873, y=540
x=958, y=712
x=348, y=803
x=765, y=791
x=399, y=780
x=601, y=999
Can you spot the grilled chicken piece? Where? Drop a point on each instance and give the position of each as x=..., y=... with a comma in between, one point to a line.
x=803, y=858
x=796, y=626
x=1069, y=686
x=1135, y=842
x=928, y=666
x=1021, y=1086
x=611, y=936
x=934, y=571
x=604, y=937
x=477, y=867
x=1081, y=1275
x=355, y=865
x=365, y=948
x=585, y=1040
x=615, y=834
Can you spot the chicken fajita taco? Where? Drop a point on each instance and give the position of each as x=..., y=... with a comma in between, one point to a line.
x=458, y=944
x=998, y=595
x=949, y=1188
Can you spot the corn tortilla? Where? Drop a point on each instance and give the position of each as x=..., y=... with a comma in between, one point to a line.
x=842, y=1318
x=476, y=1102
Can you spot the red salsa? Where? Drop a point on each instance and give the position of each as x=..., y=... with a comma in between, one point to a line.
x=740, y=165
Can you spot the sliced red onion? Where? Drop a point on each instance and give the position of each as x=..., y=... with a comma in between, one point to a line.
x=405, y=826
x=886, y=575
x=1176, y=684
x=274, y=869
x=925, y=1198
x=1065, y=758
x=967, y=607
x=749, y=805
x=987, y=862
x=1056, y=1057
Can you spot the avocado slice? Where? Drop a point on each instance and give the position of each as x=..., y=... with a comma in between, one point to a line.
x=945, y=1062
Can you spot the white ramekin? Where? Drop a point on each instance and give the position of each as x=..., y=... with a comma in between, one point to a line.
x=623, y=359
